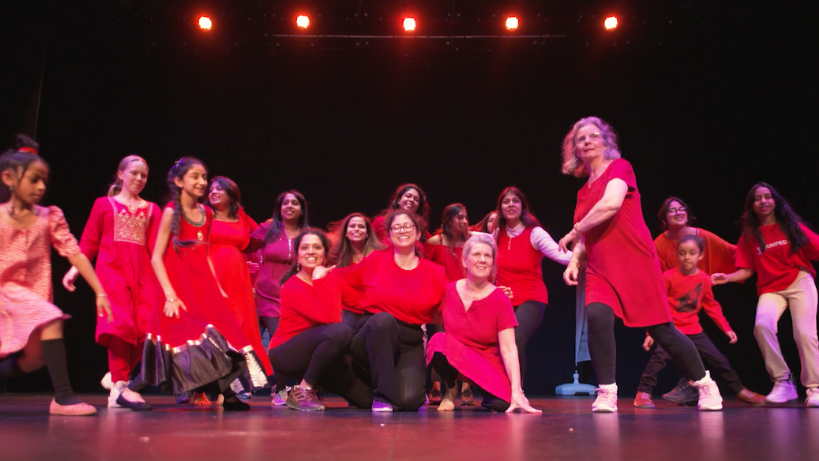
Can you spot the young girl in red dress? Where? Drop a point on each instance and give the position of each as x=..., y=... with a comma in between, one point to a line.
x=194, y=342
x=31, y=328
x=119, y=233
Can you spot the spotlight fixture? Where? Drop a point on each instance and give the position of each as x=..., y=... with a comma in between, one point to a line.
x=512, y=23
x=409, y=24
x=611, y=23
x=205, y=23
x=303, y=21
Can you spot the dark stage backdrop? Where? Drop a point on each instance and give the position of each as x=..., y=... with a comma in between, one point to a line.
x=702, y=120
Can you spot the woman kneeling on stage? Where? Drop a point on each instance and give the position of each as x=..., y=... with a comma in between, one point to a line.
x=479, y=342
x=311, y=341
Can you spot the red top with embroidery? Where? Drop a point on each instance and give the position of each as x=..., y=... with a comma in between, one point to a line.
x=776, y=267
x=687, y=295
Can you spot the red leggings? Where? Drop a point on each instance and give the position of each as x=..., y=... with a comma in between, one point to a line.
x=122, y=358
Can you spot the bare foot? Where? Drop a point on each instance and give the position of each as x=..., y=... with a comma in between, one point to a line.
x=200, y=399
x=131, y=396
x=448, y=401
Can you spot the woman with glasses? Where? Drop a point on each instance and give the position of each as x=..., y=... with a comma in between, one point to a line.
x=675, y=219
x=400, y=292
x=623, y=276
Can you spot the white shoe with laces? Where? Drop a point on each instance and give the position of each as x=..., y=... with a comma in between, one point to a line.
x=813, y=398
x=710, y=398
x=783, y=391
x=606, y=401
x=280, y=398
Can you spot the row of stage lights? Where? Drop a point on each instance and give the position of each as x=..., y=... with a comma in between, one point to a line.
x=409, y=23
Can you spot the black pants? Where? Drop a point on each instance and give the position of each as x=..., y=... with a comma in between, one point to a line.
x=317, y=356
x=603, y=351
x=709, y=353
x=432, y=330
x=529, y=316
x=271, y=324
x=393, y=353
x=449, y=374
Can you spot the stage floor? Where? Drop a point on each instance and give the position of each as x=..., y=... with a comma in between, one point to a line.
x=566, y=430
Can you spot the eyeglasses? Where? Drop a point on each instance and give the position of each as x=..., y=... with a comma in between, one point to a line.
x=592, y=137
x=407, y=226
x=679, y=210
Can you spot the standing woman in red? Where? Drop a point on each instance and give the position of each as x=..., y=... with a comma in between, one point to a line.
x=400, y=292
x=778, y=247
x=194, y=344
x=675, y=219
x=522, y=244
x=275, y=240
x=229, y=236
x=623, y=277
x=118, y=233
x=408, y=197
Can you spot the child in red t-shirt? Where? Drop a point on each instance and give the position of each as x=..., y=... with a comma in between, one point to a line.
x=689, y=291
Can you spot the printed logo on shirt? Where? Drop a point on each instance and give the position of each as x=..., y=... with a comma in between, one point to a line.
x=688, y=302
x=771, y=245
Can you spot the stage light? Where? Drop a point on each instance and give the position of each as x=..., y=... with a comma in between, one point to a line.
x=205, y=23
x=611, y=23
x=512, y=23
x=409, y=24
x=303, y=21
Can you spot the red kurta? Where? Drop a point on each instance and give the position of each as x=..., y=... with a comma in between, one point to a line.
x=411, y=296
x=305, y=306
x=470, y=342
x=687, y=295
x=519, y=267
x=623, y=271
x=277, y=257
x=448, y=258
x=719, y=254
x=227, y=240
x=777, y=267
x=121, y=239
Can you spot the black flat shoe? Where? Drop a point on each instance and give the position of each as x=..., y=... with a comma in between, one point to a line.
x=235, y=405
x=136, y=406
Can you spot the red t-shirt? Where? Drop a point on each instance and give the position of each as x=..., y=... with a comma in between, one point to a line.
x=411, y=296
x=719, y=254
x=519, y=267
x=449, y=258
x=777, y=267
x=305, y=306
x=687, y=295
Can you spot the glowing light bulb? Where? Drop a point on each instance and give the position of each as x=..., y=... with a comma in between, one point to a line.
x=303, y=21
x=511, y=23
x=205, y=23
x=409, y=24
x=611, y=23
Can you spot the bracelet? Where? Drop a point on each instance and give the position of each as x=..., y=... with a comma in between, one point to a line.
x=577, y=228
x=103, y=295
x=171, y=300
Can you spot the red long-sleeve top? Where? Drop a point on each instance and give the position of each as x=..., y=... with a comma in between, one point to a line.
x=305, y=306
x=687, y=295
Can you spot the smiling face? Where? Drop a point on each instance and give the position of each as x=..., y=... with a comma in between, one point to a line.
x=589, y=143
x=676, y=216
x=134, y=177
x=291, y=208
x=311, y=253
x=403, y=232
x=29, y=185
x=218, y=197
x=479, y=261
x=689, y=255
x=511, y=207
x=764, y=203
x=410, y=200
x=194, y=182
x=356, y=230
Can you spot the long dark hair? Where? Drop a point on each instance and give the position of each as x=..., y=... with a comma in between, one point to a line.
x=787, y=219
x=342, y=248
x=661, y=215
x=451, y=212
x=423, y=204
x=24, y=143
x=232, y=192
x=295, y=268
x=178, y=170
x=19, y=162
x=526, y=216
x=276, y=227
x=483, y=224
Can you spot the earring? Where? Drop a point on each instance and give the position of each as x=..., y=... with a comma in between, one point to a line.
x=298, y=267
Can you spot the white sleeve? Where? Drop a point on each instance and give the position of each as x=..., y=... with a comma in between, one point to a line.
x=544, y=243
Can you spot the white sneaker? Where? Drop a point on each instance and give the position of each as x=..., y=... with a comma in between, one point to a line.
x=606, y=401
x=782, y=392
x=116, y=390
x=813, y=398
x=106, y=382
x=280, y=398
x=381, y=406
x=710, y=398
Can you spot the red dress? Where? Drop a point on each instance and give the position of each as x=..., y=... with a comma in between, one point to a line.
x=623, y=271
x=227, y=240
x=277, y=257
x=121, y=239
x=470, y=342
x=449, y=258
x=205, y=344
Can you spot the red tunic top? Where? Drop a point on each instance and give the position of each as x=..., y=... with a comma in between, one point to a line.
x=411, y=296
x=519, y=267
x=687, y=295
x=719, y=254
x=777, y=267
x=277, y=257
x=305, y=306
x=122, y=239
x=449, y=258
x=470, y=342
x=623, y=270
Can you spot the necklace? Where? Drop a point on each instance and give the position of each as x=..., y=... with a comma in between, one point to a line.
x=199, y=223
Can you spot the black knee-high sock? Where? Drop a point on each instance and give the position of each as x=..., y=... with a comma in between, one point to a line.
x=10, y=369
x=55, y=359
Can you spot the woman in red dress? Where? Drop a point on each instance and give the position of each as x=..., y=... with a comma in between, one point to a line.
x=229, y=236
x=400, y=292
x=118, y=233
x=479, y=342
x=623, y=276
x=408, y=197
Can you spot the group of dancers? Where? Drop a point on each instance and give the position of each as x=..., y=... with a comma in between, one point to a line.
x=184, y=293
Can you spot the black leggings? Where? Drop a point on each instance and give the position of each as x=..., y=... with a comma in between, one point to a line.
x=316, y=355
x=529, y=316
x=271, y=324
x=449, y=374
x=603, y=351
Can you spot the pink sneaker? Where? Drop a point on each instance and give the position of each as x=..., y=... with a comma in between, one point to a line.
x=78, y=409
